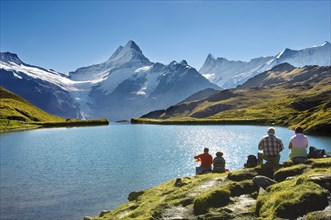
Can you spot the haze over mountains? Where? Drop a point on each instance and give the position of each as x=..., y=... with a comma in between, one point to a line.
x=126, y=85
x=284, y=95
x=228, y=74
x=129, y=85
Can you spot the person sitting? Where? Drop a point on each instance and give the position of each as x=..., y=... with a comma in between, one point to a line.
x=251, y=161
x=219, y=163
x=271, y=146
x=298, y=145
x=206, y=161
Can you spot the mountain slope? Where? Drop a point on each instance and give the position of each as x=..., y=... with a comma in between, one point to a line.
x=17, y=113
x=148, y=88
x=47, y=89
x=229, y=74
x=288, y=97
x=126, y=85
x=129, y=85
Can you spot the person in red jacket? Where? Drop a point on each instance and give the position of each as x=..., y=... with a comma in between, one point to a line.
x=206, y=161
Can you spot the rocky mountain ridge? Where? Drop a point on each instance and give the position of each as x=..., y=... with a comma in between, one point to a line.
x=126, y=85
x=284, y=95
x=229, y=74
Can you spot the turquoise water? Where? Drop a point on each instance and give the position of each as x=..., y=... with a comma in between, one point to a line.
x=70, y=173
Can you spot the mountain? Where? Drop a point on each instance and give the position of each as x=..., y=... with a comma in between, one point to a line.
x=145, y=89
x=284, y=95
x=229, y=74
x=126, y=85
x=14, y=107
x=128, y=57
x=18, y=114
x=46, y=89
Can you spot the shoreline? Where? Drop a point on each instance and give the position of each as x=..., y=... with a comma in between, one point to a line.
x=263, y=122
x=234, y=195
x=40, y=125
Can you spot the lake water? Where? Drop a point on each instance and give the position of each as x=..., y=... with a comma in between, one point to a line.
x=70, y=173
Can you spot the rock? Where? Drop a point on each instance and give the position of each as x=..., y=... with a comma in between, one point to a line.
x=135, y=195
x=179, y=182
x=241, y=188
x=263, y=181
x=321, y=215
x=283, y=173
x=103, y=212
x=87, y=218
x=291, y=199
x=307, y=203
x=324, y=180
x=241, y=175
x=211, y=199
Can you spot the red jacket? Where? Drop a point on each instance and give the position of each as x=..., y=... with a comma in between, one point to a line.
x=206, y=160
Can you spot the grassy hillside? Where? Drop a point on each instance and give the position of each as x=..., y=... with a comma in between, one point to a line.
x=16, y=113
x=301, y=96
x=234, y=196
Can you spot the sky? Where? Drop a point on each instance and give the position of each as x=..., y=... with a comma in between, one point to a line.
x=66, y=35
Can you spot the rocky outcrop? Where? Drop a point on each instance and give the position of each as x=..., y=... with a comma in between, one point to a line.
x=300, y=191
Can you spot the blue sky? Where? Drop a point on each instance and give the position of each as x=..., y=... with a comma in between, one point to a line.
x=65, y=35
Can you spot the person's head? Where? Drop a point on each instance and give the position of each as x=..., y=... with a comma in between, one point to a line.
x=271, y=131
x=206, y=150
x=298, y=130
x=219, y=154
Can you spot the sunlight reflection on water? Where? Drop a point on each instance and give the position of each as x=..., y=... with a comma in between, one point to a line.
x=70, y=173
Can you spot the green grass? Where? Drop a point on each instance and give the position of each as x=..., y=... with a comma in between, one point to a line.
x=211, y=199
x=283, y=173
x=287, y=199
x=304, y=103
x=18, y=114
x=291, y=199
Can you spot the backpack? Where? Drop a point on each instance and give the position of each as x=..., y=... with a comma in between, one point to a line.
x=315, y=153
x=251, y=161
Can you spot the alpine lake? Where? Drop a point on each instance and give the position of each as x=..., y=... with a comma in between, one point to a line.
x=68, y=173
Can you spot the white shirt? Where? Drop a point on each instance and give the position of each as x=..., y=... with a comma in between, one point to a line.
x=299, y=141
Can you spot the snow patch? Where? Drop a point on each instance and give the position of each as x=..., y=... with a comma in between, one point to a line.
x=17, y=76
x=209, y=76
x=143, y=69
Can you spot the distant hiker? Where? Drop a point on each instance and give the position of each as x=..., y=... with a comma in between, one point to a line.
x=298, y=145
x=206, y=161
x=219, y=163
x=271, y=146
x=251, y=161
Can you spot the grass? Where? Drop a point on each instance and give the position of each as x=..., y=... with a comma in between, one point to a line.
x=291, y=199
x=283, y=173
x=211, y=199
x=18, y=114
x=307, y=105
x=210, y=196
x=152, y=202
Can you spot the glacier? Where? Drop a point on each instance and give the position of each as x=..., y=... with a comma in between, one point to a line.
x=229, y=74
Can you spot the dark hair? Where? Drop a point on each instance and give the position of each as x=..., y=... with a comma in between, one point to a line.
x=206, y=149
x=298, y=130
x=219, y=154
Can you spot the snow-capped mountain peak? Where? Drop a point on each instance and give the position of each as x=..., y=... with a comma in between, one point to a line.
x=229, y=74
x=326, y=43
x=129, y=53
x=8, y=57
x=129, y=56
x=183, y=63
x=210, y=57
